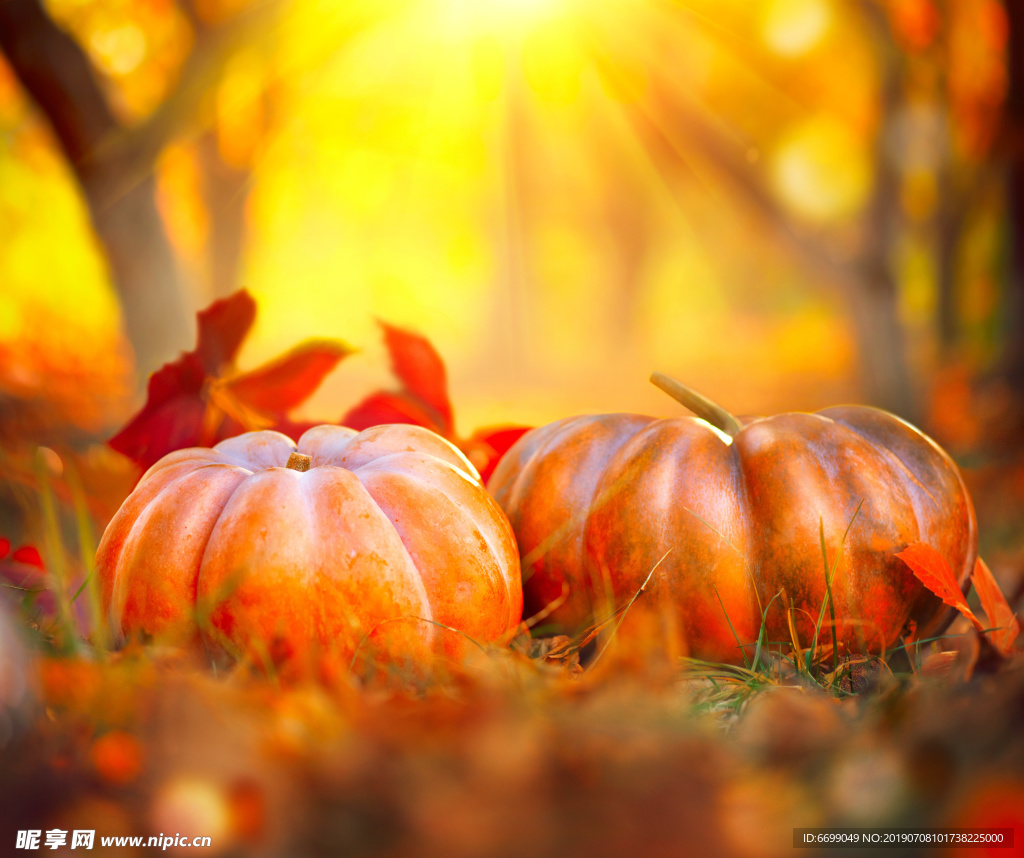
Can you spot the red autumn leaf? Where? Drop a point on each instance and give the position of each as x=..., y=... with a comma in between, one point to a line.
x=222, y=327
x=999, y=613
x=419, y=367
x=933, y=571
x=23, y=572
x=283, y=384
x=197, y=401
x=388, y=407
x=172, y=417
x=29, y=555
x=423, y=401
x=485, y=447
x=174, y=413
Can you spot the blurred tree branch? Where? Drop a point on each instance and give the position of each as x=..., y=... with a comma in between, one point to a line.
x=225, y=186
x=139, y=147
x=866, y=282
x=56, y=73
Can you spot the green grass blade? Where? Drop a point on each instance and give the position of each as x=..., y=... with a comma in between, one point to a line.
x=87, y=549
x=829, y=578
x=761, y=633
x=56, y=565
x=943, y=637
x=743, y=652
x=831, y=603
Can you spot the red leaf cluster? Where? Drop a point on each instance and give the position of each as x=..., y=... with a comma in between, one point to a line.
x=423, y=396
x=423, y=400
x=201, y=399
x=27, y=554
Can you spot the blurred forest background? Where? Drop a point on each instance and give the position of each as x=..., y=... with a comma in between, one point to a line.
x=786, y=203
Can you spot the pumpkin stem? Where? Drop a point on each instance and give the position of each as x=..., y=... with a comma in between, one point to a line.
x=299, y=462
x=699, y=405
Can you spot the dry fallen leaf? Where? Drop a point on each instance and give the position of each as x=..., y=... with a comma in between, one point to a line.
x=933, y=571
x=1001, y=618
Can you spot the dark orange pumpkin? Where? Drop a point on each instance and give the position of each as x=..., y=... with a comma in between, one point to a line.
x=735, y=509
x=287, y=551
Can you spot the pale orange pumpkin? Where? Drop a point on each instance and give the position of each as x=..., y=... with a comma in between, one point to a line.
x=730, y=513
x=341, y=542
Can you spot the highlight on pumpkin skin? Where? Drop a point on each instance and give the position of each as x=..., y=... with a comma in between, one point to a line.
x=595, y=501
x=292, y=555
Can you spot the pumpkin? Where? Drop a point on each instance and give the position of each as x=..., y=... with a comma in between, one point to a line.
x=734, y=511
x=272, y=549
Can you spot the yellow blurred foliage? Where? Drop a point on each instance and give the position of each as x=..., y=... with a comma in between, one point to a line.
x=59, y=319
x=240, y=110
x=480, y=170
x=137, y=47
x=553, y=63
x=822, y=170
x=793, y=27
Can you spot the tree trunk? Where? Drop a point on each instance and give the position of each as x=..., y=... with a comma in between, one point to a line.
x=1013, y=142
x=145, y=272
x=875, y=304
x=225, y=192
x=881, y=339
x=55, y=72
